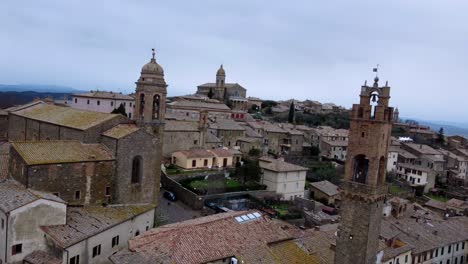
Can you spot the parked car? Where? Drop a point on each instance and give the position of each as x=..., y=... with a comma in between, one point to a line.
x=169, y=195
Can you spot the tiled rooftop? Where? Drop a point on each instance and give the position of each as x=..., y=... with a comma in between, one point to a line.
x=105, y=95
x=185, y=126
x=279, y=165
x=65, y=116
x=326, y=187
x=14, y=195
x=213, y=238
x=198, y=105
x=423, y=149
x=41, y=257
x=84, y=222
x=196, y=153
x=121, y=131
x=60, y=151
x=227, y=124
x=4, y=166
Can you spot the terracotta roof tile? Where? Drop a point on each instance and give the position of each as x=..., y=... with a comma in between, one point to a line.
x=186, y=126
x=85, y=222
x=279, y=165
x=65, y=116
x=121, y=131
x=60, y=151
x=41, y=257
x=14, y=195
x=105, y=95
x=212, y=238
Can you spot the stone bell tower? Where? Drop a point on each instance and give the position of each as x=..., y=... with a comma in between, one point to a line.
x=363, y=190
x=220, y=90
x=149, y=113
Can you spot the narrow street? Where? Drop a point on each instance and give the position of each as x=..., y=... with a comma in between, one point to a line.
x=171, y=212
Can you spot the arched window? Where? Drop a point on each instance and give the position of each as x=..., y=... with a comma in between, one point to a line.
x=156, y=106
x=137, y=169
x=361, y=165
x=142, y=106
x=374, y=101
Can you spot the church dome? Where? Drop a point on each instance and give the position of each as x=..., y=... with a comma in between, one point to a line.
x=152, y=67
x=221, y=71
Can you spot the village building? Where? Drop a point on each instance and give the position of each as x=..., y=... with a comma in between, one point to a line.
x=93, y=234
x=78, y=173
x=233, y=237
x=392, y=159
x=102, y=101
x=254, y=103
x=181, y=135
x=335, y=150
x=324, y=191
x=22, y=213
x=232, y=94
x=229, y=131
x=190, y=110
x=282, y=177
x=203, y=158
x=457, y=141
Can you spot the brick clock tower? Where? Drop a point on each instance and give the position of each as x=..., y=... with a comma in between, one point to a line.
x=363, y=190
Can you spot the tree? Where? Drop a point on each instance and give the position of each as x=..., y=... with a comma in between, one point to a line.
x=314, y=151
x=120, y=110
x=210, y=93
x=441, y=137
x=291, y=112
x=268, y=103
x=255, y=152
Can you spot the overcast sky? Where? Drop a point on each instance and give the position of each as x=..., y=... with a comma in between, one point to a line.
x=320, y=50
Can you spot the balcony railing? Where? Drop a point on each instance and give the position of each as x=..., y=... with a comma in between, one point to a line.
x=364, y=189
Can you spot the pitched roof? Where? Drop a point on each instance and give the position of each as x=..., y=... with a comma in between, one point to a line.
x=41, y=257
x=14, y=195
x=213, y=238
x=326, y=187
x=423, y=149
x=105, y=95
x=121, y=130
x=221, y=152
x=336, y=143
x=60, y=151
x=279, y=165
x=226, y=85
x=65, y=116
x=196, y=153
x=227, y=124
x=210, y=138
x=424, y=230
x=4, y=166
x=198, y=105
x=85, y=222
x=183, y=126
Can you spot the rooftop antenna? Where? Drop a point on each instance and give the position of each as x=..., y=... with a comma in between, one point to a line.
x=154, y=52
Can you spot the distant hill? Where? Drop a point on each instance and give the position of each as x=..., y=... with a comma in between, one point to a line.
x=8, y=99
x=450, y=128
x=37, y=88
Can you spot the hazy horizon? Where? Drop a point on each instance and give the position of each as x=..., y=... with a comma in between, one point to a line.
x=298, y=49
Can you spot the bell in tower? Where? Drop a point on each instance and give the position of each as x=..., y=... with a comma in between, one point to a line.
x=363, y=189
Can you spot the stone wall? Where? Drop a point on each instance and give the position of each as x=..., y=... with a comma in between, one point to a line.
x=183, y=194
x=180, y=140
x=3, y=126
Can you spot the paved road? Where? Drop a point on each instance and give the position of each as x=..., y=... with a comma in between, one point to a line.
x=171, y=212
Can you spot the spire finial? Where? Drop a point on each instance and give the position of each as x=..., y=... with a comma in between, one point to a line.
x=154, y=53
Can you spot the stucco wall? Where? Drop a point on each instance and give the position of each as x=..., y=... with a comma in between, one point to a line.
x=288, y=184
x=24, y=226
x=125, y=231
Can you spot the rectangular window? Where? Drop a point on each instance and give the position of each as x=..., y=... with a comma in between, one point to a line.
x=98, y=102
x=96, y=251
x=406, y=259
x=75, y=260
x=16, y=249
x=129, y=115
x=130, y=104
x=108, y=191
x=76, y=100
x=205, y=163
x=77, y=195
x=436, y=252
x=449, y=248
x=112, y=103
x=194, y=163
x=87, y=102
x=115, y=241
